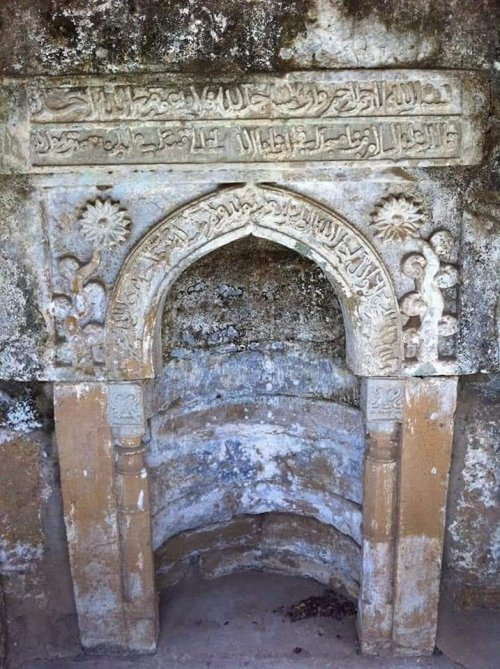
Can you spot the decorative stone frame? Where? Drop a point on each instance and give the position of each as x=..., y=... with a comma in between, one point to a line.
x=409, y=425
x=363, y=286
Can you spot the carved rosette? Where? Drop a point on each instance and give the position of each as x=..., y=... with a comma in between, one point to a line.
x=428, y=326
x=79, y=306
x=104, y=225
x=396, y=218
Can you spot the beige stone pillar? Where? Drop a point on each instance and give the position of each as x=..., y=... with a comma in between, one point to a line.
x=382, y=402
x=126, y=417
x=425, y=462
x=104, y=483
x=86, y=460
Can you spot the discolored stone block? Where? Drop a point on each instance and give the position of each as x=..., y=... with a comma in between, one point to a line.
x=423, y=485
x=87, y=465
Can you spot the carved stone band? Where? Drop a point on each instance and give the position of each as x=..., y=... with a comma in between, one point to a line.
x=368, y=139
x=410, y=117
x=295, y=95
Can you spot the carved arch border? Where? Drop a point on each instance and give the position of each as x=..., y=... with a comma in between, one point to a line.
x=351, y=264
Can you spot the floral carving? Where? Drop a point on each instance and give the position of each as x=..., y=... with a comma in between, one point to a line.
x=80, y=306
x=397, y=217
x=104, y=225
x=423, y=309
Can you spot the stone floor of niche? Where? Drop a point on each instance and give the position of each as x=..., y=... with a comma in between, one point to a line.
x=232, y=623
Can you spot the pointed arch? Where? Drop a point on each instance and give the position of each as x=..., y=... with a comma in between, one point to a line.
x=358, y=276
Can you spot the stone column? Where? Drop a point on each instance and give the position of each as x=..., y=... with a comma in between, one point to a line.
x=86, y=461
x=382, y=402
x=425, y=462
x=105, y=492
x=126, y=417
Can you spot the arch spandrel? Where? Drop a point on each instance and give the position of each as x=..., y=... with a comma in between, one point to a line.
x=360, y=280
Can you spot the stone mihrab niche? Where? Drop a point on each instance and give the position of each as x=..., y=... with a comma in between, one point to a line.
x=110, y=258
x=421, y=117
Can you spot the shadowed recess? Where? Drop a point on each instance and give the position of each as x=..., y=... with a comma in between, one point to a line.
x=256, y=436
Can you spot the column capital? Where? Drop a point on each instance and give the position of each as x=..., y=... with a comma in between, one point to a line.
x=382, y=399
x=126, y=412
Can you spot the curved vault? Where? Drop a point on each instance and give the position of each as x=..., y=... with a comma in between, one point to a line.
x=282, y=543
x=247, y=474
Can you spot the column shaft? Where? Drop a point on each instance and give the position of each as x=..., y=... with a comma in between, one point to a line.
x=425, y=463
x=86, y=461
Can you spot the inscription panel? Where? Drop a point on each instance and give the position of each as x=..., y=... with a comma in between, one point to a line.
x=366, y=139
x=412, y=117
x=294, y=96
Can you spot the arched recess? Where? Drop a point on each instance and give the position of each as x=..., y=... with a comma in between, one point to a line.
x=359, y=278
x=105, y=483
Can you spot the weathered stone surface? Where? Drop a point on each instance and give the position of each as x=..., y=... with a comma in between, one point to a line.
x=86, y=459
x=480, y=323
x=57, y=37
x=246, y=413
x=3, y=629
x=425, y=463
x=314, y=470
x=228, y=332
x=287, y=299
x=23, y=334
x=39, y=615
x=21, y=536
x=472, y=547
x=280, y=543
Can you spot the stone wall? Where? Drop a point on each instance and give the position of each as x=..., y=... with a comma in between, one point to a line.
x=39, y=608
x=3, y=629
x=472, y=549
x=54, y=36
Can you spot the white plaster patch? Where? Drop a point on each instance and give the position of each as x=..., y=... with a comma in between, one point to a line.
x=336, y=39
x=22, y=416
x=18, y=556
